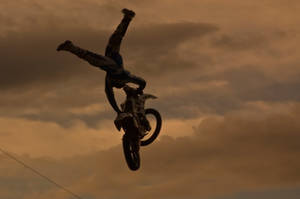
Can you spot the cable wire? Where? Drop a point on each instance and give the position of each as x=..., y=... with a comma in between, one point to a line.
x=40, y=174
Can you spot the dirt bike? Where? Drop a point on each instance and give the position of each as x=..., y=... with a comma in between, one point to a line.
x=136, y=126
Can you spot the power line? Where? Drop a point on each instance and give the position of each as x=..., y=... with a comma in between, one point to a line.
x=40, y=174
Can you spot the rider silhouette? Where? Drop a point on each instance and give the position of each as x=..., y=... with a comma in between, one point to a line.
x=112, y=62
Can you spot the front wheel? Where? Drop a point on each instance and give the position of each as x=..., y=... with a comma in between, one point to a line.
x=156, y=114
x=131, y=153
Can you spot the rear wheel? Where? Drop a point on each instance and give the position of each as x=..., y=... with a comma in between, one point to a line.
x=148, y=140
x=131, y=153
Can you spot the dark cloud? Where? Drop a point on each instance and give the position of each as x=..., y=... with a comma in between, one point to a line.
x=56, y=104
x=247, y=47
x=197, y=103
x=163, y=37
x=248, y=40
x=39, y=83
x=31, y=59
x=292, y=193
x=251, y=84
x=6, y=21
x=67, y=119
x=154, y=48
x=32, y=68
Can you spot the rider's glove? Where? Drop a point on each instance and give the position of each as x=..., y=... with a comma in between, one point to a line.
x=139, y=91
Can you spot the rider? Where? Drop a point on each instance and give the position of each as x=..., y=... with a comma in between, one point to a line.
x=112, y=62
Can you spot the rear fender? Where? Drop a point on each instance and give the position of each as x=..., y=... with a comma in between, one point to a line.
x=144, y=97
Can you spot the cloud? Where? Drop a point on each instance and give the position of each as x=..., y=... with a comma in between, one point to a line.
x=195, y=68
x=241, y=151
x=30, y=59
x=228, y=70
x=40, y=138
x=254, y=40
x=292, y=193
x=47, y=81
x=154, y=48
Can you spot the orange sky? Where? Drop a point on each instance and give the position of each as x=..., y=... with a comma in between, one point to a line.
x=226, y=73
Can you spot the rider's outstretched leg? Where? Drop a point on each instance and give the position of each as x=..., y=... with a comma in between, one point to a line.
x=113, y=46
x=93, y=58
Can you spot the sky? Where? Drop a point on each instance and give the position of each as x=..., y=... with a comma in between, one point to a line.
x=226, y=73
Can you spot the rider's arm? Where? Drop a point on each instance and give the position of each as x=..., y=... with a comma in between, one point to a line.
x=137, y=80
x=110, y=95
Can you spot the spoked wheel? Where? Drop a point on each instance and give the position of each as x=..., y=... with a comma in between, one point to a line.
x=148, y=140
x=131, y=153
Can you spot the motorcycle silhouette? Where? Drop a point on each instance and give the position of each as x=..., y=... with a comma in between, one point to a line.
x=133, y=120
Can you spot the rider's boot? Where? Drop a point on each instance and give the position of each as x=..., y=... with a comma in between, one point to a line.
x=128, y=13
x=115, y=40
x=70, y=47
x=122, y=28
x=67, y=45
